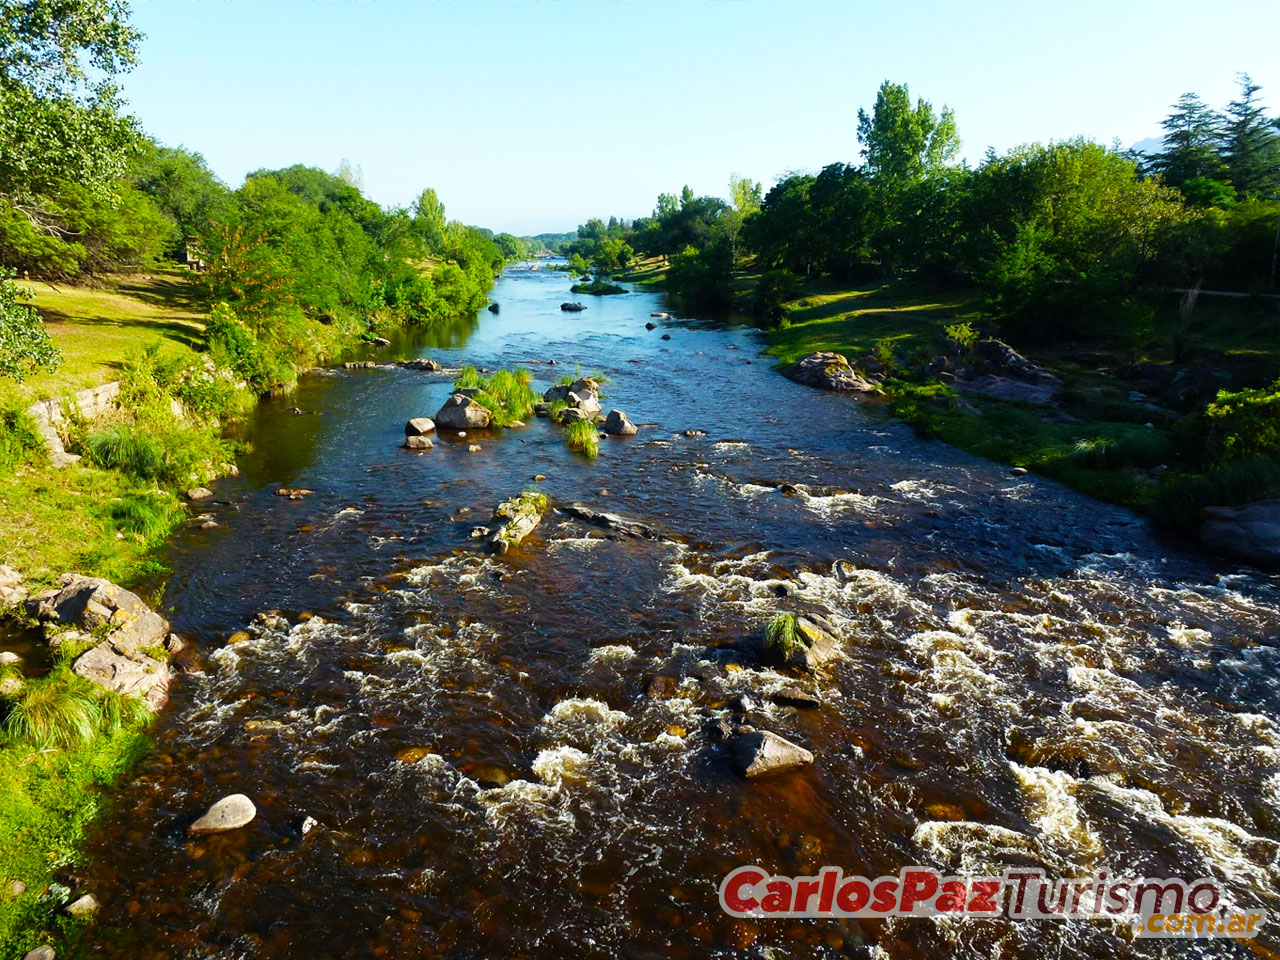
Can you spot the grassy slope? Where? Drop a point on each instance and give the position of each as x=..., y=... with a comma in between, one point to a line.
x=1228, y=335
x=51, y=520
x=97, y=328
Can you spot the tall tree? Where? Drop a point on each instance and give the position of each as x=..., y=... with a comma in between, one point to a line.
x=901, y=142
x=1191, y=135
x=1251, y=144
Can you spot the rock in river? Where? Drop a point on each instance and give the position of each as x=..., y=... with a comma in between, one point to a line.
x=618, y=425
x=94, y=604
x=229, y=813
x=1250, y=533
x=418, y=443
x=830, y=371
x=763, y=753
x=621, y=526
x=460, y=412
x=515, y=519
x=418, y=426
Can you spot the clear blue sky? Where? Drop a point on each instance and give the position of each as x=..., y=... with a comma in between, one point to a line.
x=532, y=117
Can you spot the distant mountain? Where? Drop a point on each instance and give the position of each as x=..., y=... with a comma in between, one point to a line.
x=1149, y=145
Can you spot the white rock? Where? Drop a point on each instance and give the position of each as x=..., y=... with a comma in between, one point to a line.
x=229, y=813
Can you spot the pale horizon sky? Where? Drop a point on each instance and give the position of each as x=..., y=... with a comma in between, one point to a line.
x=531, y=117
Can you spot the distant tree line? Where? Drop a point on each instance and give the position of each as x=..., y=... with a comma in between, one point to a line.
x=1062, y=237
x=84, y=192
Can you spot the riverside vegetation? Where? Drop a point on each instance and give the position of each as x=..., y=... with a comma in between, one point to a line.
x=138, y=264
x=1143, y=286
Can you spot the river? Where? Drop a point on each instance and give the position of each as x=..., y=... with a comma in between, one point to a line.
x=1028, y=676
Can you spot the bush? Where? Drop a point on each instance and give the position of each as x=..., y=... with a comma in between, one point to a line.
x=582, y=435
x=1138, y=448
x=1244, y=424
x=1178, y=502
x=25, y=346
x=127, y=448
x=233, y=346
x=19, y=438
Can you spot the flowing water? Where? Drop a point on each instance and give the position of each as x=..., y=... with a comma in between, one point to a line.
x=506, y=756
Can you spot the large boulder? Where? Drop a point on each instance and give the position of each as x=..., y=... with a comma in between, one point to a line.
x=1250, y=533
x=830, y=371
x=98, y=605
x=229, y=813
x=762, y=753
x=997, y=358
x=128, y=672
x=618, y=425
x=817, y=641
x=461, y=412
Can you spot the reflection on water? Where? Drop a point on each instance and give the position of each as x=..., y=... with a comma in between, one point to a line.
x=507, y=757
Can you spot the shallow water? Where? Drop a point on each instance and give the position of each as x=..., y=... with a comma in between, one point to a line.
x=1029, y=677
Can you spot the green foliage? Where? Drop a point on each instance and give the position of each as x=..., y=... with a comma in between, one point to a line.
x=773, y=290
x=19, y=439
x=782, y=639
x=147, y=516
x=1179, y=500
x=25, y=346
x=962, y=335
x=534, y=499
x=598, y=288
x=1244, y=424
x=506, y=394
x=232, y=345
x=582, y=435
x=127, y=448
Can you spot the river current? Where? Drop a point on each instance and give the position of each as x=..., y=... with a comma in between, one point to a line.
x=505, y=756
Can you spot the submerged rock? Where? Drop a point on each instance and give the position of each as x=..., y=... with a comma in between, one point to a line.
x=830, y=371
x=461, y=412
x=617, y=424
x=572, y=307
x=651, y=325
x=418, y=443
x=85, y=906
x=796, y=697
x=622, y=526
x=229, y=813
x=1250, y=533
x=493, y=308
x=422, y=363
x=762, y=753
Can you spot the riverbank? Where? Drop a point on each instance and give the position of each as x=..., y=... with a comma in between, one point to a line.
x=139, y=475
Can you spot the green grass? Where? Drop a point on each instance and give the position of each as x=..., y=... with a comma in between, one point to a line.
x=508, y=395
x=781, y=638
x=536, y=500
x=598, y=288
x=97, y=328
x=582, y=435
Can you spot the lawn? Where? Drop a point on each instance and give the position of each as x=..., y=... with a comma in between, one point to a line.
x=97, y=328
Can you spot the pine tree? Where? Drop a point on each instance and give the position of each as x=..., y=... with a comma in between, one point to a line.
x=1191, y=138
x=1251, y=144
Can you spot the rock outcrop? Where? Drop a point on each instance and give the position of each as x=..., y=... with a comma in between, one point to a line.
x=129, y=658
x=229, y=813
x=582, y=397
x=461, y=412
x=762, y=753
x=830, y=371
x=1250, y=533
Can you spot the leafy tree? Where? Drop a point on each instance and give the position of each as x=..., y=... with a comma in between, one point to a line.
x=429, y=219
x=902, y=143
x=183, y=187
x=25, y=346
x=1251, y=144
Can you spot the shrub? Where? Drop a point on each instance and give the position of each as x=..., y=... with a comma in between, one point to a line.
x=582, y=435
x=19, y=438
x=1137, y=448
x=962, y=335
x=1179, y=500
x=1244, y=424
x=25, y=346
x=232, y=345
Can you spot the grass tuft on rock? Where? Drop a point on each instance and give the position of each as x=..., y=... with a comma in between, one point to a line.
x=782, y=639
x=508, y=395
